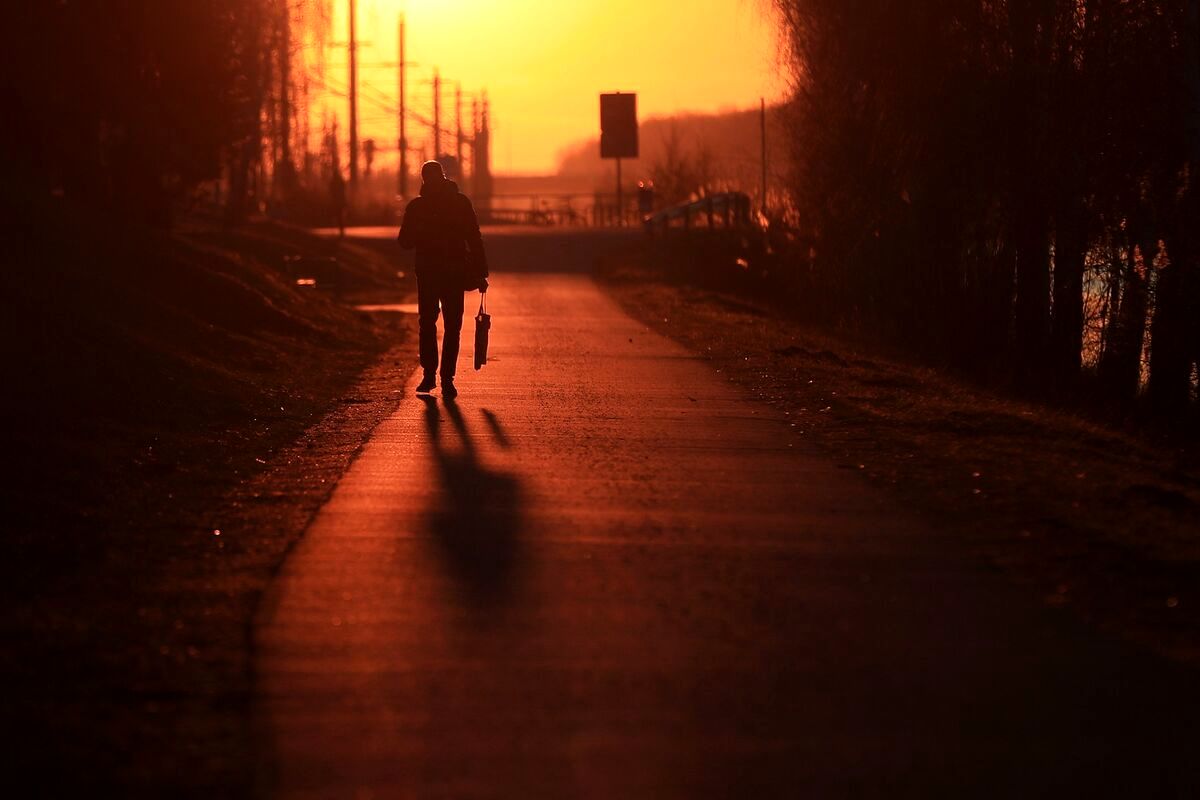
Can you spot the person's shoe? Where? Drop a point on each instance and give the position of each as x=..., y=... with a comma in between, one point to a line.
x=427, y=385
x=448, y=390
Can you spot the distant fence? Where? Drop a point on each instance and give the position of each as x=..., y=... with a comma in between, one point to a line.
x=728, y=211
x=558, y=215
x=548, y=208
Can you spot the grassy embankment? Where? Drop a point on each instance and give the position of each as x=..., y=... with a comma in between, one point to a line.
x=159, y=388
x=1100, y=521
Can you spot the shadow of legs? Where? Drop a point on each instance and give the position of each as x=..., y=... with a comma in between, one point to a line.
x=478, y=517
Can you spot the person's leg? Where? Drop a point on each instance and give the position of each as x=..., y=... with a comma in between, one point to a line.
x=427, y=314
x=452, y=317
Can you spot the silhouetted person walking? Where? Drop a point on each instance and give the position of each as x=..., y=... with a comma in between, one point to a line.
x=441, y=225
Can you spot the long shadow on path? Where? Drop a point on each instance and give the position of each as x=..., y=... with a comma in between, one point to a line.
x=478, y=518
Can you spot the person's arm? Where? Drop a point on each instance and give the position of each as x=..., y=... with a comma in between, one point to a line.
x=475, y=243
x=410, y=226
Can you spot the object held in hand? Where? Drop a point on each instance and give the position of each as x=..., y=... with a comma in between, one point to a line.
x=483, y=324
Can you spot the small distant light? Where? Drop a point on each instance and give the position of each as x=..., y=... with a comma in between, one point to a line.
x=216, y=532
x=743, y=263
x=306, y=281
x=1172, y=602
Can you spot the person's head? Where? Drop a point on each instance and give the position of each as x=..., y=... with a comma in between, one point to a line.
x=431, y=171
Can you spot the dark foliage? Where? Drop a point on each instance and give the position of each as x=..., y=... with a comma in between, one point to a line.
x=1006, y=185
x=127, y=105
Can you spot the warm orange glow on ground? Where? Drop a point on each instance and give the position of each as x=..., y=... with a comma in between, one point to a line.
x=543, y=63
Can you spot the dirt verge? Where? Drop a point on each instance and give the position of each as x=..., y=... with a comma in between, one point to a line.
x=167, y=387
x=1094, y=520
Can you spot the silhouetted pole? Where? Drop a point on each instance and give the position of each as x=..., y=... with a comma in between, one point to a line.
x=762, y=126
x=437, y=114
x=482, y=165
x=353, y=99
x=458, y=136
x=620, y=197
x=474, y=146
x=403, y=177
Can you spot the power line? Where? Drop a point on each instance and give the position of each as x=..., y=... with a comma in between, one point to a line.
x=381, y=105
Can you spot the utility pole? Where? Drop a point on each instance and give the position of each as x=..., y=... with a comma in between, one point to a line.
x=762, y=125
x=481, y=168
x=474, y=144
x=403, y=177
x=458, y=134
x=353, y=100
x=437, y=114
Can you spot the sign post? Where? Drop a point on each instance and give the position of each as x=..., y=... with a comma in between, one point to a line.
x=620, y=198
x=619, y=135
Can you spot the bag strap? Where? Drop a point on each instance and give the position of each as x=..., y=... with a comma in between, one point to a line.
x=482, y=297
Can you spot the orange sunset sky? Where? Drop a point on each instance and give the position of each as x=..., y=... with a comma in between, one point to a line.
x=543, y=62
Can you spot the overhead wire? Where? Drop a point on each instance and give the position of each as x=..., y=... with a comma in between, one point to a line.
x=380, y=100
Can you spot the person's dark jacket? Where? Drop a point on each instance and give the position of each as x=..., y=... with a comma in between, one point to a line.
x=441, y=225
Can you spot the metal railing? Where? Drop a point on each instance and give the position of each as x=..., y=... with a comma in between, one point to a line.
x=724, y=211
x=564, y=208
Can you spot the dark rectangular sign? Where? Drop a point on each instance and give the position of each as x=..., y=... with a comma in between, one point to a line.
x=618, y=125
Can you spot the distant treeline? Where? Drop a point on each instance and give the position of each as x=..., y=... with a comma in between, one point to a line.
x=1006, y=184
x=129, y=105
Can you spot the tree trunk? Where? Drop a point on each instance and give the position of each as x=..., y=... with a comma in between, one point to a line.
x=1066, y=333
x=1121, y=367
x=1170, y=359
x=1032, y=312
x=239, y=187
x=285, y=88
x=1028, y=23
x=1175, y=336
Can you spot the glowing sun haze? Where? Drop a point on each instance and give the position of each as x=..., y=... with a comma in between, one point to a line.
x=543, y=62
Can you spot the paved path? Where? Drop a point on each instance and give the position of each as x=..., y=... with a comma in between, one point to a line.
x=605, y=573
